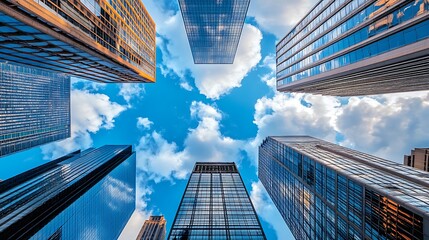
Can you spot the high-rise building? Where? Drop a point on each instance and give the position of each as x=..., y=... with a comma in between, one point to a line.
x=325, y=191
x=214, y=28
x=153, y=229
x=101, y=40
x=357, y=47
x=84, y=195
x=216, y=205
x=34, y=107
x=419, y=159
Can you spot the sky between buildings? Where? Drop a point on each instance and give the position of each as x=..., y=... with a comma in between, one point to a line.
x=222, y=113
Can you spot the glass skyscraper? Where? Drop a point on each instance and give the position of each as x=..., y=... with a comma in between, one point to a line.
x=325, y=191
x=216, y=205
x=214, y=28
x=34, y=107
x=153, y=229
x=357, y=47
x=84, y=195
x=100, y=40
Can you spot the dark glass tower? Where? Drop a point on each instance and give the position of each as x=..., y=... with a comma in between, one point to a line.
x=214, y=28
x=216, y=205
x=84, y=195
x=34, y=107
x=358, y=47
x=325, y=191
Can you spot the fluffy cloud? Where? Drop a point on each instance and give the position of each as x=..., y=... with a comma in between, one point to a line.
x=89, y=113
x=266, y=209
x=130, y=91
x=164, y=160
x=212, y=80
x=293, y=114
x=144, y=123
x=388, y=126
x=278, y=17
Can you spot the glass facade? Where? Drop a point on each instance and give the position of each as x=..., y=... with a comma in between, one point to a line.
x=214, y=28
x=84, y=195
x=325, y=191
x=216, y=205
x=342, y=33
x=101, y=40
x=34, y=107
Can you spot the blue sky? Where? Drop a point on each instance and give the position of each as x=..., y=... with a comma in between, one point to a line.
x=222, y=113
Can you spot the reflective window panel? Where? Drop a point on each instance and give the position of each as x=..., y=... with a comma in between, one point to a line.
x=216, y=205
x=325, y=191
x=34, y=107
x=214, y=28
x=84, y=195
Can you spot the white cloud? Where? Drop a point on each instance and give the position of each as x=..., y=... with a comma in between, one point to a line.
x=388, y=126
x=278, y=17
x=131, y=90
x=144, y=123
x=212, y=80
x=293, y=114
x=89, y=113
x=164, y=160
x=266, y=209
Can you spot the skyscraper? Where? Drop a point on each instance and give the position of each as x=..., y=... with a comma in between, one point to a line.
x=357, y=47
x=325, y=191
x=34, y=107
x=153, y=229
x=84, y=195
x=216, y=205
x=214, y=28
x=101, y=40
x=419, y=159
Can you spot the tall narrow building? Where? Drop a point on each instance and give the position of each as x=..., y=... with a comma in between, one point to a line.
x=325, y=191
x=153, y=229
x=34, y=107
x=84, y=195
x=419, y=159
x=214, y=28
x=348, y=48
x=216, y=205
x=100, y=40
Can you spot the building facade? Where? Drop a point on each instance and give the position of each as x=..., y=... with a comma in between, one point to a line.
x=216, y=205
x=357, y=47
x=34, y=107
x=419, y=159
x=84, y=195
x=153, y=229
x=325, y=191
x=101, y=40
x=214, y=28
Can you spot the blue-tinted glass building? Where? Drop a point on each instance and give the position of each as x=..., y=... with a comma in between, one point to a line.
x=84, y=195
x=214, y=28
x=111, y=41
x=325, y=191
x=34, y=107
x=357, y=47
x=216, y=205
